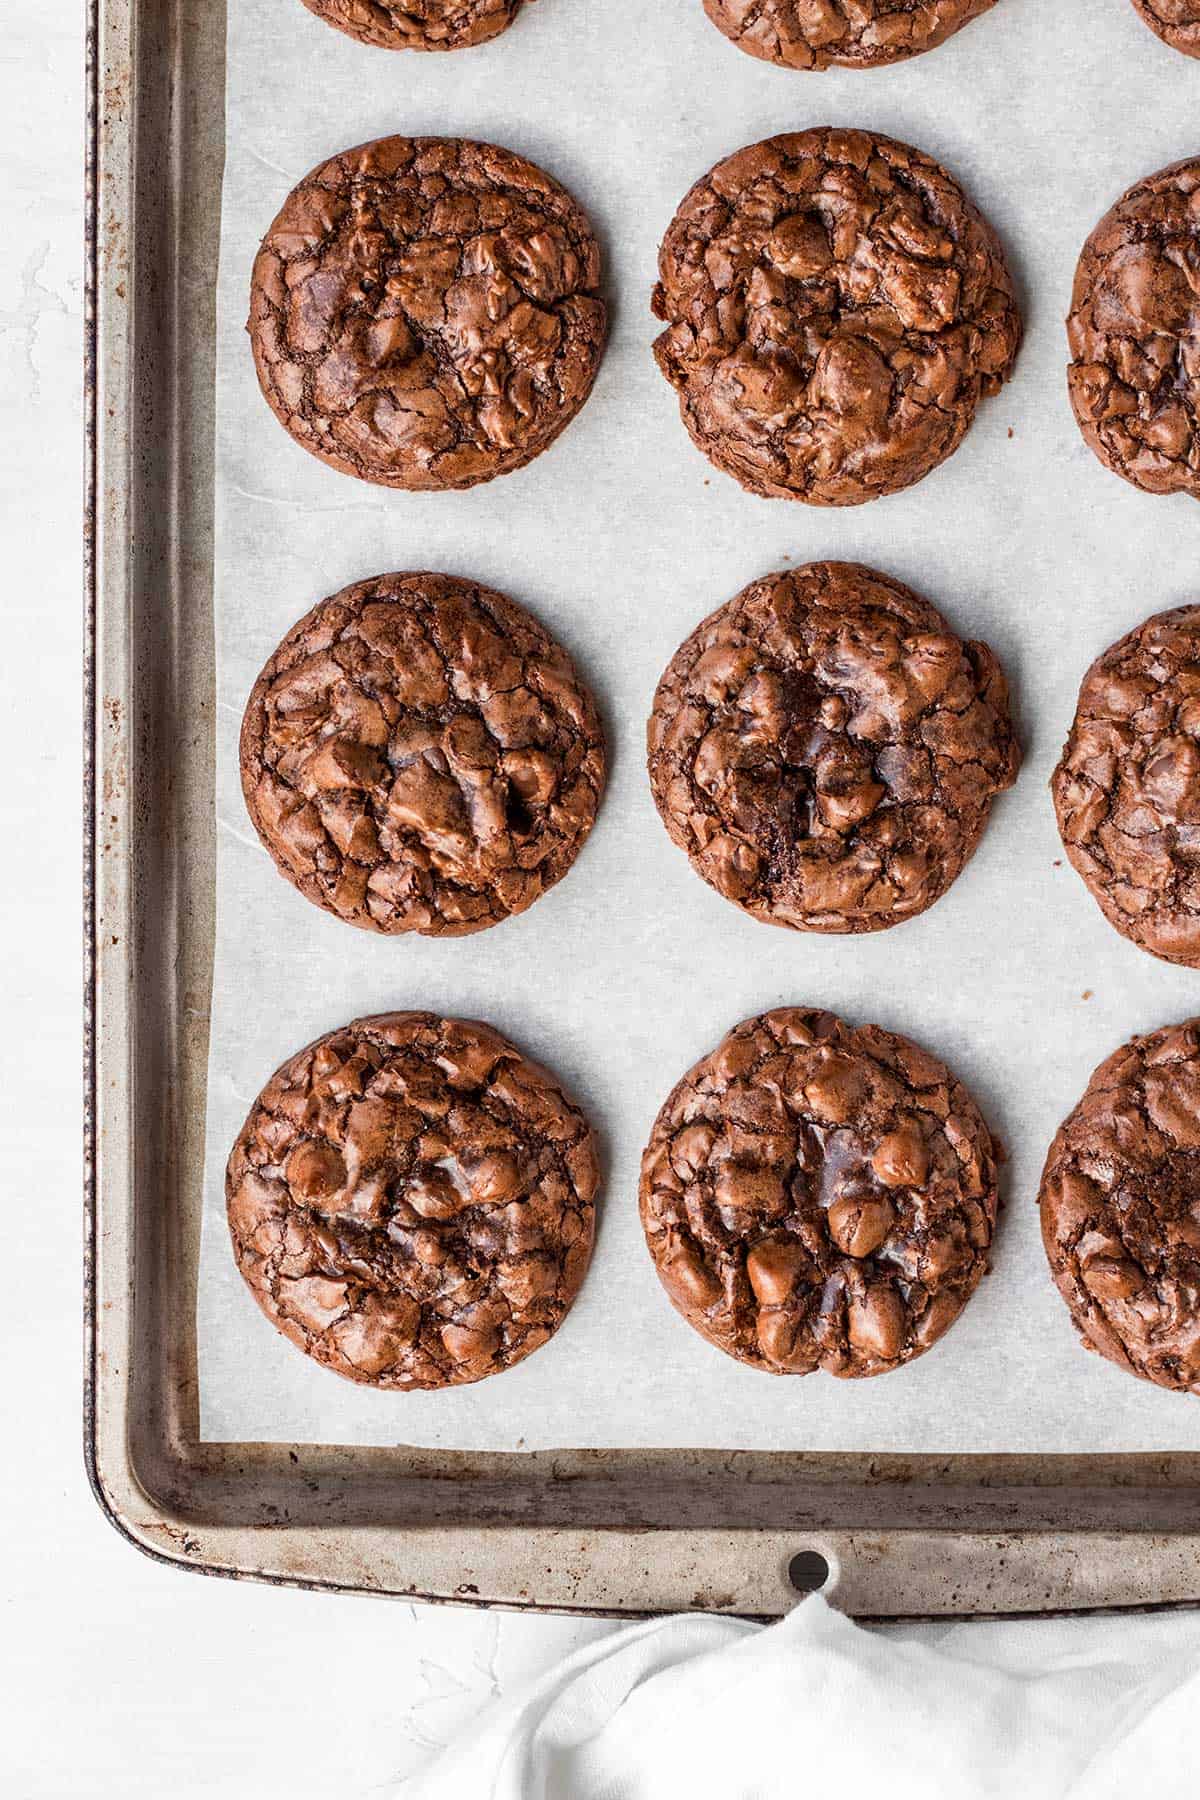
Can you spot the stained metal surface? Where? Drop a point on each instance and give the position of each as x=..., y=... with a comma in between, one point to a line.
x=591, y=1531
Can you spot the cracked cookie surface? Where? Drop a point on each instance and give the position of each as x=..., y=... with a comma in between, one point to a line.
x=1134, y=334
x=1127, y=787
x=826, y=750
x=859, y=34
x=418, y=24
x=425, y=312
x=412, y=1202
x=836, y=308
x=1120, y=1208
x=819, y=1196
x=419, y=754
x=1176, y=22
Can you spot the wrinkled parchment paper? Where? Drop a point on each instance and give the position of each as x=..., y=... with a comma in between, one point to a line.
x=621, y=538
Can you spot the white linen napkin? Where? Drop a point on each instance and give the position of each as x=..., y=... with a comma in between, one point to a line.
x=696, y=1707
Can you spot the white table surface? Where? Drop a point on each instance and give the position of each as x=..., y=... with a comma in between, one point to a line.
x=122, y=1678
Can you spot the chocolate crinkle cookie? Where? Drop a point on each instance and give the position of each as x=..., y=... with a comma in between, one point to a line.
x=419, y=754
x=1177, y=22
x=1120, y=1204
x=418, y=24
x=1127, y=788
x=836, y=307
x=819, y=1196
x=1135, y=375
x=826, y=750
x=425, y=312
x=861, y=34
x=411, y=1201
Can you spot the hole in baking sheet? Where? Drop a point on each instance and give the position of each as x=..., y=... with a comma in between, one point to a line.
x=808, y=1571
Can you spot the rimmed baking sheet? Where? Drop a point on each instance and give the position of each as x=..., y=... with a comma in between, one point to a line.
x=621, y=538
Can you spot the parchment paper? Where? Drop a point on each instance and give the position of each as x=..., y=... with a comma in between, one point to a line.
x=621, y=538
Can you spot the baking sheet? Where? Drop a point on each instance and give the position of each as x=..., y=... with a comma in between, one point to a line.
x=621, y=538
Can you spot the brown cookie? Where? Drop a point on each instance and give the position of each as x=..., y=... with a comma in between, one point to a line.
x=419, y=754
x=826, y=750
x=860, y=34
x=1135, y=374
x=816, y=1196
x=836, y=307
x=1127, y=787
x=418, y=24
x=1177, y=22
x=425, y=312
x=1120, y=1203
x=412, y=1202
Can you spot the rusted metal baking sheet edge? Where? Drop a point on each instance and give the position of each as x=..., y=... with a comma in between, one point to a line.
x=621, y=1533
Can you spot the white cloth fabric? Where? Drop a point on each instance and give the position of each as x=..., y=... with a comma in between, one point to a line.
x=697, y=1707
